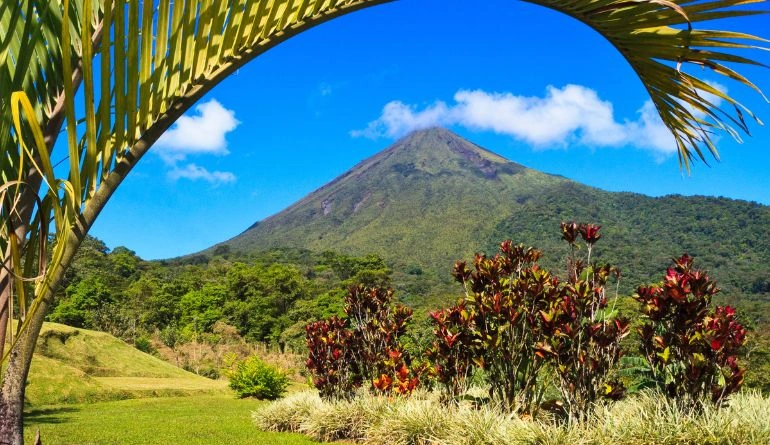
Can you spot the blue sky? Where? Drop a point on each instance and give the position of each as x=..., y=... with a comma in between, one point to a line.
x=535, y=86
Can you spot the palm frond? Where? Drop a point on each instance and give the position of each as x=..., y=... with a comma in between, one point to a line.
x=138, y=66
x=658, y=39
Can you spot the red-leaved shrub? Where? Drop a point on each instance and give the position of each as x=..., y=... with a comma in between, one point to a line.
x=691, y=351
x=363, y=348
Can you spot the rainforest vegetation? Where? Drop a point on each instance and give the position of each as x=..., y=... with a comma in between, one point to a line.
x=269, y=297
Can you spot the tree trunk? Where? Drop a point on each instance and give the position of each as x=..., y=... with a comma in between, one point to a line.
x=15, y=375
x=17, y=369
x=14, y=378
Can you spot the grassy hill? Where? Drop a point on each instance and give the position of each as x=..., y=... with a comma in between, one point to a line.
x=433, y=198
x=73, y=365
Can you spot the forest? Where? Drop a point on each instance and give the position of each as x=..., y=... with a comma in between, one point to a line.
x=267, y=298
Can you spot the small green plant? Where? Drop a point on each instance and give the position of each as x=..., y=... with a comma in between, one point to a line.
x=144, y=344
x=254, y=378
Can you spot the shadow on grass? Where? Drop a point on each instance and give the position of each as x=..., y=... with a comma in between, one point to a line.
x=47, y=415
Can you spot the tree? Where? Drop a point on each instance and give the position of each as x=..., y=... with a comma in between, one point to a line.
x=202, y=308
x=83, y=300
x=124, y=261
x=263, y=297
x=134, y=85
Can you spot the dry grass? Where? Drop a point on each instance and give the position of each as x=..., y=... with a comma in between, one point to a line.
x=204, y=357
x=645, y=419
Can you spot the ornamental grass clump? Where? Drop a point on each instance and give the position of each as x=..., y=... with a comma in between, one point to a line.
x=344, y=419
x=652, y=418
x=412, y=421
x=644, y=418
x=484, y=425
x=287, y=414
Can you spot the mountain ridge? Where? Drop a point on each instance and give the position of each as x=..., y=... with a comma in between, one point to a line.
x=432, y=198
x=413, y=177
x=480, y=157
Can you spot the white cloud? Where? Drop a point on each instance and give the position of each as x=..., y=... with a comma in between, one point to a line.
x=202, y=133
x=398, y=119
x=195, y=172
x=649, y=132
x=572, y=110
x=324, y=89
x=568, y=115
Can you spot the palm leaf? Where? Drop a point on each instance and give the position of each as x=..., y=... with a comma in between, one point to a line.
x=160, y=62
x=657, y=38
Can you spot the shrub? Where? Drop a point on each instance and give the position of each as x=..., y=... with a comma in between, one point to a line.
x=253, y=378
x=581, y=336
x=517, y=318
x=504, y=295
x=691, y=352
x=329, y=358
x=209, y=373
x=144, y=344
x=453, y=350
x=363, y=348
x=376, y=325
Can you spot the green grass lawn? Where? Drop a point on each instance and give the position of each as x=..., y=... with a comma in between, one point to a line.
x=73, y=365
x=87, y=388
x=202, y=419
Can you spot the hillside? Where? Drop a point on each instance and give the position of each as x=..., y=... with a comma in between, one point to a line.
x=74, y=365
x=433, y=197
x=421, y=204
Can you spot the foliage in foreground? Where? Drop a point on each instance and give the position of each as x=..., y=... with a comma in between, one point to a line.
x=529, y=330
x=517, y=318
x=254, y=378
x=646, y=418
x=363, y=348
x=691, y=351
